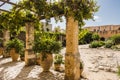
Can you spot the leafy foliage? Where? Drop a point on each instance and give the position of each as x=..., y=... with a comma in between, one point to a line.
x=12, y=22
x=96, y=44
x=113, y=42
x=43, y=9
x=15, y=43
x=116, y=47
x=85, y=37
x=58, y=59
x=95, y=36
x=47, y=44
x=116, y=39
x=4, y=20
x=109, y=44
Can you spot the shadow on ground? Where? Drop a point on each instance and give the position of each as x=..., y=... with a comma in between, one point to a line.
x=18, y=71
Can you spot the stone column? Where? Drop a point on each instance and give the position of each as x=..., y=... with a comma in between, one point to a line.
x=6, y=38
x=29, y=53
x=72, y=56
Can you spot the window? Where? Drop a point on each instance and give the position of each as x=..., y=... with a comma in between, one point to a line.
x=119, y=28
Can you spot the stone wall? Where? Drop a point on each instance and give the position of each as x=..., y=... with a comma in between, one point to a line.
x=105, y=31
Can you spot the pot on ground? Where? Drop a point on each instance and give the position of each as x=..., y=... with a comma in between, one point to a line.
x=14, y=55
x=1, y=51
x=57, y=67
x=46, y=61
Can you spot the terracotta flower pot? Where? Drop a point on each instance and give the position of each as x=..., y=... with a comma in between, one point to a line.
x=1, y=51
x=14, y=55
x=57, y=67
x=46, y=61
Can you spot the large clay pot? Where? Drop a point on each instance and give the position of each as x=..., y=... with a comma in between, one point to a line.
x=14, y=55
x=57, y=67
x=46, y=61
x=1, y=51
x=38, y=61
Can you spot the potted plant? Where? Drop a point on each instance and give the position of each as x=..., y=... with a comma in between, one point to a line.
x=46, y=46
x=38, y=58
x=15, y=47
x=58, y=59
x=22, y=56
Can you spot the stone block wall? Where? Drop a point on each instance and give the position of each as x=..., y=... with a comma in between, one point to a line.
x=105, y=31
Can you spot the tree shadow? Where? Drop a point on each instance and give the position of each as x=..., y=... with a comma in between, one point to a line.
x=18, y=71
x=47, y=76
x=24, y=73
x=5, y=60
x=9, y=69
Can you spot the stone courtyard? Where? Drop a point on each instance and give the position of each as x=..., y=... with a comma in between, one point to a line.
x=99, y=64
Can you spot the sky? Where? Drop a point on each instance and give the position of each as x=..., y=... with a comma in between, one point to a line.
x=108, y=14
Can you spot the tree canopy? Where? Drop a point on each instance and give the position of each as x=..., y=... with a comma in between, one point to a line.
x=79, y=9
x=35, y=10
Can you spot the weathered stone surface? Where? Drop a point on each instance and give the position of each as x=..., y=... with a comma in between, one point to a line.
x=17, y=70
x=72, y=56
x=6, y=38
x=101, y=67
x=29, y=54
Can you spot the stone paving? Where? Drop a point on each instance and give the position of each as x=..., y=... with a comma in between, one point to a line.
x=18, y=71
x=99, y=64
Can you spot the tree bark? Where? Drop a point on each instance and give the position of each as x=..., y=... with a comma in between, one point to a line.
x=6, y=38
x=29, y=53
x=72, y=56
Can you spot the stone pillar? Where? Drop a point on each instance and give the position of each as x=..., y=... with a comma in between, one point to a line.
x=6, y=38
x=29, y=53
x=72, y=56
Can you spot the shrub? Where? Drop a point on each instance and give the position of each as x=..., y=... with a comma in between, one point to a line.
x=109, y=44
x=47, y=44
x=95, y=36
x=15, y=43
x=96, y=44
x=85, y=37
x=58, y=59
x=116, y=39
x=116, y=47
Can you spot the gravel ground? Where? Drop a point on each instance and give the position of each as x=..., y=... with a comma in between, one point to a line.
x=99, y=64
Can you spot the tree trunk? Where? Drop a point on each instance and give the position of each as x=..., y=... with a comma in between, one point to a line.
x=6, y=38
x=46, y=60
x=72, y=56
x=29, y=53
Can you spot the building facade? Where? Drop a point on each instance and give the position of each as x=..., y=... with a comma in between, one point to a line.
x=46, y=27
x=105, y=31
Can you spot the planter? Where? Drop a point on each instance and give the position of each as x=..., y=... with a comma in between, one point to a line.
x=1, y=51
x=38, y=61
x=14, y=55
x=57, y=67
x=46, y=61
